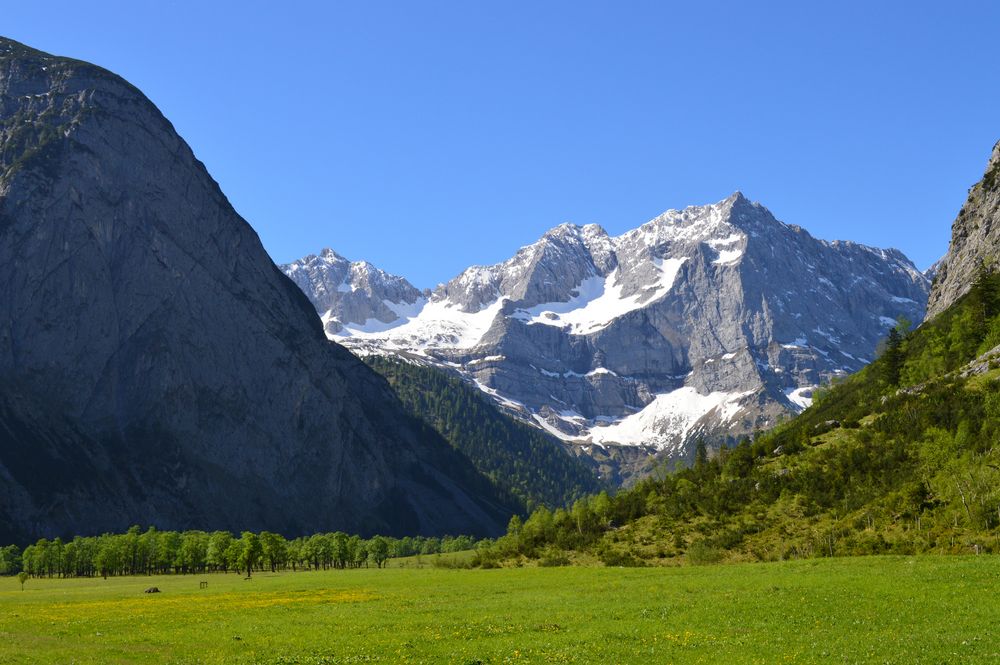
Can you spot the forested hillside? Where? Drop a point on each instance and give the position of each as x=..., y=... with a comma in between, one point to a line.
x=520, y=459
x=900, y=457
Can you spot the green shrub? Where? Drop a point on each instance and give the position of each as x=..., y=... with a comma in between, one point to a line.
x=619, y=559
x=701, y=553
x=553, y=558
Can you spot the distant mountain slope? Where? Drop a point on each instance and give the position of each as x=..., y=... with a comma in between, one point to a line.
x=709, y=322
x=519, y=458
x=156, y=367
x=352, y=291
x=975, y=239
x=899, y=458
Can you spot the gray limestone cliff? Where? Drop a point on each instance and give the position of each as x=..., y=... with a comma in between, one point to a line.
x=156, y=366
x=975, y=240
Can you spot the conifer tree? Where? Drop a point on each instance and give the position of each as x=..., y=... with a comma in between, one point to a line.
x=892, y=358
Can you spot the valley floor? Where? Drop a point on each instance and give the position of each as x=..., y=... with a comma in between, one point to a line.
x=874, y=609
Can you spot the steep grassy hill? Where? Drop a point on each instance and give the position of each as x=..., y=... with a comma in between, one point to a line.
x=902, y=457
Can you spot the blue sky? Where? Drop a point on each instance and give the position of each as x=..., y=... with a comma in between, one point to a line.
x=427, y=136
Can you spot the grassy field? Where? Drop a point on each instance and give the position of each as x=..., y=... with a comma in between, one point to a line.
x=871, y=610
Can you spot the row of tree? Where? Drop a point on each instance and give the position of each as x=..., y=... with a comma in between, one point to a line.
x=149, y=552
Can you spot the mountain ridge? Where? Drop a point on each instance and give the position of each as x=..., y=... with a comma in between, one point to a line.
x=615, y=324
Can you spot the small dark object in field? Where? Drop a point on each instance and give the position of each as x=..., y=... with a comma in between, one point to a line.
x=203, y=585
x=152, y=589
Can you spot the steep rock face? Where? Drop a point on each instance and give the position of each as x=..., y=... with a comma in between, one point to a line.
x=151, y=350
x=975, y=240
x=712, y=321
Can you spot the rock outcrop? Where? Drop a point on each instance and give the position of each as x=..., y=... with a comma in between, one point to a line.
x=156, y=367
x=975, y=240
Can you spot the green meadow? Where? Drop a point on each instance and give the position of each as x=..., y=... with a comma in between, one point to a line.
x=871, y=610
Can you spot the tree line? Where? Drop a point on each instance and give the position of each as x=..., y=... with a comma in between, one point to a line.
x=154, y=552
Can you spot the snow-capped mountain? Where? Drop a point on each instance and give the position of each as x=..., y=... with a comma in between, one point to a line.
x=713, y=321
x=352, y=291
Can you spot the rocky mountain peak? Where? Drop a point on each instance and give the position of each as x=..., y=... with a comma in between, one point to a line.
x=352, y=291
x=564, y=230
x=712, y=320
x=994, y=158
x=331, y=256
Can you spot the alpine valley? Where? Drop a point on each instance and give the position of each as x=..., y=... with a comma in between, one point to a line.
x=207, y=457
x=708, y=323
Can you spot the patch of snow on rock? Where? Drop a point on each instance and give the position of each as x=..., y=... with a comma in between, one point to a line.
x=668, y=418
x=802, y=398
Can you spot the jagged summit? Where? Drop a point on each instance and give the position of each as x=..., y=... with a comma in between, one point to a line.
x=330, y=255
x=352, y=291
x=712, y=320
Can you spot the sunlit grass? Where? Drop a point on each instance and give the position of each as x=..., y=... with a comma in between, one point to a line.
x=878, y=609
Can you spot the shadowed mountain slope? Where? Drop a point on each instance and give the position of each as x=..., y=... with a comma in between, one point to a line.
x=156, y=366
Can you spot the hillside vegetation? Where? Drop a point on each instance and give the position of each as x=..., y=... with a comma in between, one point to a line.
x=901, y=457
x=518, y=458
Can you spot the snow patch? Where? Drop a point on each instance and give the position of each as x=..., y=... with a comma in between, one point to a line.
x=599, y=301
x=559, y=434
x=487, y=359
x=428, y=325
x=728, y=257
x=802, y=398
x=506, y=401
x=669, y=418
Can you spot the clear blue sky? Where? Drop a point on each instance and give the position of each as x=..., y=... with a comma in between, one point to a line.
x=427, y=136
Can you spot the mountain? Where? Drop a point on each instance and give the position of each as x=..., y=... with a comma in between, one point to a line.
x=899, y=458
x=975, y=239
x=713, y=322
x=530, y=463
x=156, y=366
x=352, y=291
